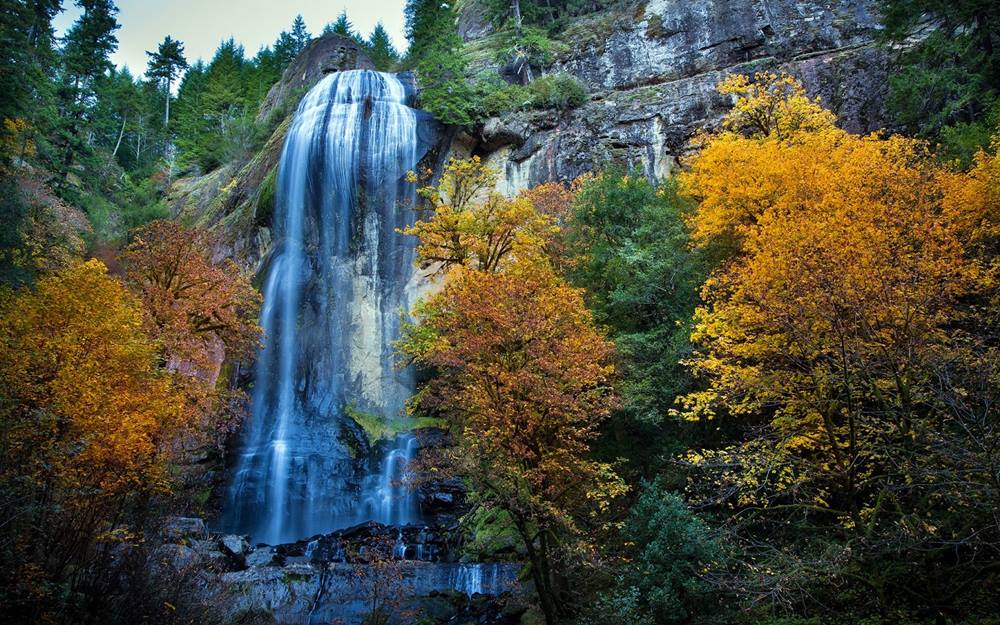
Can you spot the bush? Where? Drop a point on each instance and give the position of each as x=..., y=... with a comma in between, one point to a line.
x=552, y=91
x=673, y=550
x=560, y=91
x=623, y=604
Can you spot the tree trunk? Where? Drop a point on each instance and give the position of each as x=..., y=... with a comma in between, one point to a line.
x=121, y=134
x=166, y=115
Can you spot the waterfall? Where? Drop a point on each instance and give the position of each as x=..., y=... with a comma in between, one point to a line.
x=337, y=282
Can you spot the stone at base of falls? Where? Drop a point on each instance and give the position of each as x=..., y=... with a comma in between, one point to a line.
x=301, y=594
x=236, y=547
x=179, y=528
x=318, y=581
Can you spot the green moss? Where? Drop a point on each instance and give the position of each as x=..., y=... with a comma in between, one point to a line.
x=491, y=532
x=592, y=31
x=654, y=27
x=291, y=578
x=378, y=428
x=201, y=497
x=265, y=199
x=552, y=91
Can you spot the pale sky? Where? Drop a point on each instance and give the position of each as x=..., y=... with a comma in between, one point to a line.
x=202, y=24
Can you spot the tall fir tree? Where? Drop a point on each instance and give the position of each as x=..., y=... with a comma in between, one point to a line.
x=166, y=65
x=342, y=26
x=86, y=53
x=300, y=35
x=436, y=53
x=380, y=49
x=948, y=85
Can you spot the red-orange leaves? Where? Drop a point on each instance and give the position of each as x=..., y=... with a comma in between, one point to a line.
x=524, y=375
x=192, y=303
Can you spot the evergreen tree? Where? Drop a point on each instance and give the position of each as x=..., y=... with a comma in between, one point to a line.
x=288, y=46
x=166, y=65
x=949, y=85
x=436, y=53
x=85, y=58
x=25, y=54
x=380, y=49
x=193, y=130
x=118, y=113
x=343, y=27
x=299, y=34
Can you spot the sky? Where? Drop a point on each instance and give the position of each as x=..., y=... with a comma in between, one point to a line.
x=202, y=24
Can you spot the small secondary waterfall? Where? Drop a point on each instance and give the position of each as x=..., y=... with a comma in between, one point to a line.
x=338, y=281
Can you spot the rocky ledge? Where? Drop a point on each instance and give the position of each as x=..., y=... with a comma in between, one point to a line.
x=411, y=573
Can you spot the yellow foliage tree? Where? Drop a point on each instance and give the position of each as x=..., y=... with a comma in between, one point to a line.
x=85, y=420
x=467, y=223
x=841, y=317
x=522, y=374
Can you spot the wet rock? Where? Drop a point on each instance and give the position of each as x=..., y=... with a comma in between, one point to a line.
x=262, y=556
x=509, y=130
x=177, y=529
x=176, y=558
x=236, y=546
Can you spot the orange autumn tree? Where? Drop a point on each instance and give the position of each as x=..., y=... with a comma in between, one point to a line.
x=85, y=421
x=522, y=376
x=840, y=318
x=201, y=312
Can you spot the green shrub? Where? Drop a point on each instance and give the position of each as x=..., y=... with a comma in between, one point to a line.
x=552, y=91
x=533, y=46
x=674, y=548
x=623, y=604
x=559, y=91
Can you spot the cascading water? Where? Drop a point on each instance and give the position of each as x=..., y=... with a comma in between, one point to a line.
x=338, y=281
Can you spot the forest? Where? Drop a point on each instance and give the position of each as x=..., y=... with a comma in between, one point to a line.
x=757, y=385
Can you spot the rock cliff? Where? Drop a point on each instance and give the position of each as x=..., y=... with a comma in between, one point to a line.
x=651, y=68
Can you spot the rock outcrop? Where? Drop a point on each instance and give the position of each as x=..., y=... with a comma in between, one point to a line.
x=333, y=578
x=651, y=68
x=325, y=55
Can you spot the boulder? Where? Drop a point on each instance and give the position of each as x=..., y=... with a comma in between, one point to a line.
x=262, y=556
x=235, y=548
x=178, y=529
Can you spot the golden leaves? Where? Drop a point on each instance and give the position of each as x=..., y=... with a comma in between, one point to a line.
x=522, y=372
x=847, y=261
x=469, y=224
x=89, y=408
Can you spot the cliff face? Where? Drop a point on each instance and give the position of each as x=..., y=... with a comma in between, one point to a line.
x=651, y=69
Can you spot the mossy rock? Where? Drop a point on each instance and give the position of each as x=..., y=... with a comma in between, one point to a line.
x=378, y=428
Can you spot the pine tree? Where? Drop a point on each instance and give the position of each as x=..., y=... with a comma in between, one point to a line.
x=948, y=86
x=26, y=82
x=289, y=45
x=166, y=65
x=300, y=35
x=85, y=58
x=25, y=51
x=343, y=27
x=380, y=49
x=436, y=53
